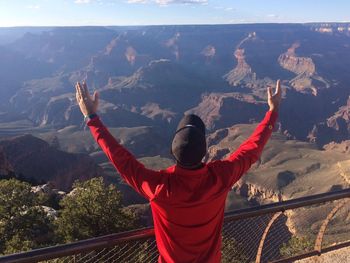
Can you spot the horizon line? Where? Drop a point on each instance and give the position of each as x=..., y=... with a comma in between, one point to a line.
x=199, y=24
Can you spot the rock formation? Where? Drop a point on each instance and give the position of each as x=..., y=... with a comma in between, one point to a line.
x=227, y=109
x=336, y=129
x=305, y=70
x=242, y=72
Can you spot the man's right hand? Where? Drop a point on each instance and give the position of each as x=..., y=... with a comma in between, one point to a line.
x=274, y=100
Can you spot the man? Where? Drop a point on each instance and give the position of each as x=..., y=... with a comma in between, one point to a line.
x=187, y=199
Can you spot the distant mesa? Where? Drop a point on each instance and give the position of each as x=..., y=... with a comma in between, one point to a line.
x=130, y=55
x=208, y=52
x=242, y=72
x=226, y=109
x=332, y=28
x=305, y=70
x=172, y=43
x=153, y=111
x=157, y=90
x=295, y=64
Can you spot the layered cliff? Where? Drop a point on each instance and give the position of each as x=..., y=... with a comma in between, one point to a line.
x=242, y=72
x=226, y=109
x=306, y=80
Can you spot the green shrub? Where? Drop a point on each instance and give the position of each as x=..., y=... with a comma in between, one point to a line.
x=24, y=224
x=296, y=245
x=92, y=209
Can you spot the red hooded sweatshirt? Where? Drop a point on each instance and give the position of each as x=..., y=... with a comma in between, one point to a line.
x=187, y=205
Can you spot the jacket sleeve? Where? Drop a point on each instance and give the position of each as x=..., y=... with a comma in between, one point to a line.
x=145, y=181
x=249, y=151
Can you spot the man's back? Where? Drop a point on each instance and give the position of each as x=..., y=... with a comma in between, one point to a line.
x=188, y=218
x=187, y=204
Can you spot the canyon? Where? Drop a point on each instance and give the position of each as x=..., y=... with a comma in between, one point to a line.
x=148, y=77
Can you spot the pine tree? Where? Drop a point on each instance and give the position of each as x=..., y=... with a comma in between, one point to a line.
x=93, y=209
x=24, y=225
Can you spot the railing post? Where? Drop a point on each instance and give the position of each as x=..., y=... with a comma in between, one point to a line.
x=319, y=238
x=263, y=237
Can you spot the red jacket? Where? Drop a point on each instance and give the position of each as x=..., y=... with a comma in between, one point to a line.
x=187, y=205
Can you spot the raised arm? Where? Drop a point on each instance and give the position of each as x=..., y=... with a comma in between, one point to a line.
x=145, y=181
x=250, y=150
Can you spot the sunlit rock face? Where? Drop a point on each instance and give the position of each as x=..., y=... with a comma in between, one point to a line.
x=305, y=71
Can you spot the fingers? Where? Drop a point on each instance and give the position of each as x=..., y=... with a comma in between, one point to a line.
x=278, y=87
x=269, y=92
x=79, y=94
x=96, y=96
x=85, y=90
x=82, y=91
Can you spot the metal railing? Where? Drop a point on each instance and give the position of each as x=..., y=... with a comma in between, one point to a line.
x=278, y=232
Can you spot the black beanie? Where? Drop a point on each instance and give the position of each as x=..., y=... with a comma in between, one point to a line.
x=189, y=144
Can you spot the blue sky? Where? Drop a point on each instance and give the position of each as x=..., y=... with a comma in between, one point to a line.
x=155, y=12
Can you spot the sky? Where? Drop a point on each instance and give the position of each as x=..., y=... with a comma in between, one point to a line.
x=165, y=12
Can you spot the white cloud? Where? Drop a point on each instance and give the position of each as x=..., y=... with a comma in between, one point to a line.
x=168, y=2
x=240, y=21
x=98, y=2
x=137, y=1
x=229, y=9
x=224, y=8
x=82, y=1
x=33, y=6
